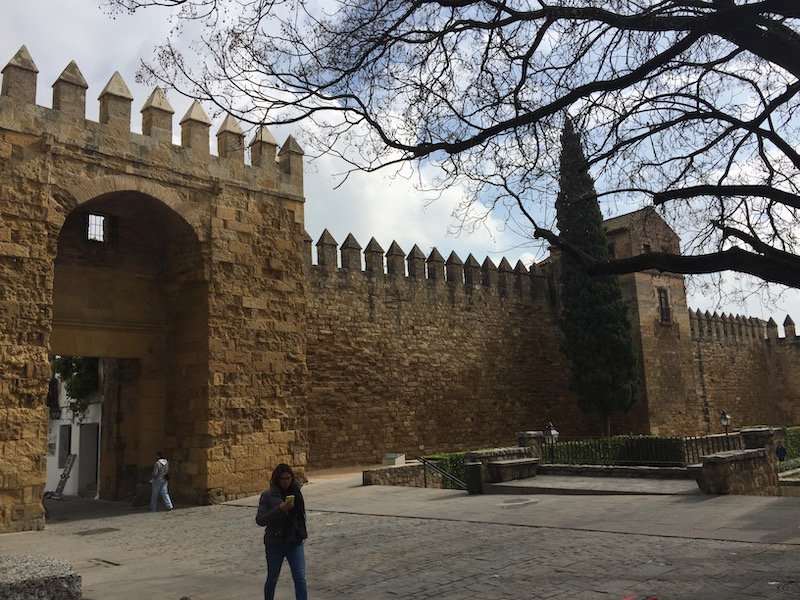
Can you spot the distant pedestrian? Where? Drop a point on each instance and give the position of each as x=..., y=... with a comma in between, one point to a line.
x=160, y=483
x=282, y=512
x=780, y=451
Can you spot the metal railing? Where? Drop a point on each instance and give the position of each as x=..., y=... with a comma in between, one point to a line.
x=433, y=466
x=635, y=450
x=709, y=444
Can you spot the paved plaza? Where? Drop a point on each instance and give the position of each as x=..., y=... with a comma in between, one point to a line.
x=379, y=542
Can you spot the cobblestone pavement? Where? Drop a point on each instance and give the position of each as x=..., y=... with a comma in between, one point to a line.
x=400, y=543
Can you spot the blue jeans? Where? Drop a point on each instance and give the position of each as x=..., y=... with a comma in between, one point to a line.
x=295, y=556
x=160, y=487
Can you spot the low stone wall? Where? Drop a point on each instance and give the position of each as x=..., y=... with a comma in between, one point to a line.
x=511, y=469
x=27, y=577
x=412, y=474
x=749, y=472
x=616, y=471
x=486, y=456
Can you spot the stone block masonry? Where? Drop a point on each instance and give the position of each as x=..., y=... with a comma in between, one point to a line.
x=186, y=266
x=419, y=363
x=225, y=346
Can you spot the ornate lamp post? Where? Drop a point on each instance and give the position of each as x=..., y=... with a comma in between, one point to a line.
x=550, y=434
x=725, y=420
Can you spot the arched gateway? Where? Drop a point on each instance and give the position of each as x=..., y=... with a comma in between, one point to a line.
x=181, y=270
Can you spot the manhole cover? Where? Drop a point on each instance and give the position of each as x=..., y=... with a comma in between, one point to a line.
x=516, y=503
x=96, y=531
x=790, y=588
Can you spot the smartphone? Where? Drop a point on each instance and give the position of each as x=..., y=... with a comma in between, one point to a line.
x=290, y=498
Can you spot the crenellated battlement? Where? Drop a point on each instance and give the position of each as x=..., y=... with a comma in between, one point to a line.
x=66, y=125
x=714, y=327
x=395, y=264
x=730, y=328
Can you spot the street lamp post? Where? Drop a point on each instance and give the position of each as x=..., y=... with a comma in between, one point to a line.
x=725, y=420
x=550, y=434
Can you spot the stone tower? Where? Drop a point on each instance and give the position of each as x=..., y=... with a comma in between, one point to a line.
x=660, y=320
x=182, y=270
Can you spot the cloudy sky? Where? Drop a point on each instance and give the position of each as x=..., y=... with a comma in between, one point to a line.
x=388, y=209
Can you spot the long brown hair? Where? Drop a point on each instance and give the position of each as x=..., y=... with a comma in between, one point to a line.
x=280, y=470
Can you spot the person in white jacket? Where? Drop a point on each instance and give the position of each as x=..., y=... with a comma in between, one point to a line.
x=160, y=483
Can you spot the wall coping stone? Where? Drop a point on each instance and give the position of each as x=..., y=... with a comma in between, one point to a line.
x=513, y=451
x=616, y=471
x=733, y=455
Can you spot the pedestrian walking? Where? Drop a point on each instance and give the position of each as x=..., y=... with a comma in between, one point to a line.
x=282, y=513
x=780, y=451
x=159, y=481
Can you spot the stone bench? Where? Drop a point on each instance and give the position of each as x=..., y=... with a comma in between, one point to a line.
x=25, y=577
x=750, y=472
x=512, y=468
x=499, y=455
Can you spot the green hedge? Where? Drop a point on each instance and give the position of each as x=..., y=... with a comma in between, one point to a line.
x=618, y=450
x=453, y=463
x=792, y=442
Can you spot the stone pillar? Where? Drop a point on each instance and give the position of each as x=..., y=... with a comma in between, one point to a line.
x=489, y=273
x=194, y=129
x=373, y=258
x=263, y=149
x=351, y=254
x=19, y=77
x=522, y=280
x=532, y=439
x=115, y=104
x=416, y=263
x=395, y=260
x=435, y=266
x=326, y=252
x=230, y=140
x=157, y=116
x=69, y=92
x=290, y=160
x=505, y=275
x=454, y=268
x=788, y=328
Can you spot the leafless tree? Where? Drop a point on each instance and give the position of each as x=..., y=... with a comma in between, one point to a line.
x=688, y=105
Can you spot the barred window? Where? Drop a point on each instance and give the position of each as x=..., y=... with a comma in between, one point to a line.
x=96, y=228
x=664, y=313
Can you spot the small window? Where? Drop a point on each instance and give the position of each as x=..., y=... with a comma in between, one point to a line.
x=612, y=251
x=647, y=248
x=96, y=228
x=664, y=313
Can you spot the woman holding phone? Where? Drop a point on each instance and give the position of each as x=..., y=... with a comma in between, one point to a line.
x=282, y=512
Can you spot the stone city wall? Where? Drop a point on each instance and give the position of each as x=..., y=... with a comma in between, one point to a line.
x=422, y=355
x=412, y=474
x=745, y=369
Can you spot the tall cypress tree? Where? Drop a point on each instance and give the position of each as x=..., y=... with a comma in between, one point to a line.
x=594, y=319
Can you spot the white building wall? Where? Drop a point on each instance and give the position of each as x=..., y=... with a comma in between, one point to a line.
x=54, y=434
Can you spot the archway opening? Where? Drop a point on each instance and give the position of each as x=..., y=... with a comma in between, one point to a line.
x=130, y=289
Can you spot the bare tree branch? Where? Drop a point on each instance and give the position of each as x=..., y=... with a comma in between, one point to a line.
x=690, y=105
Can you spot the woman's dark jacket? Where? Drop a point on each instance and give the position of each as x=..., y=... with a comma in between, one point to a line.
x=282, y=527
